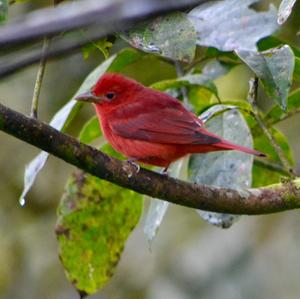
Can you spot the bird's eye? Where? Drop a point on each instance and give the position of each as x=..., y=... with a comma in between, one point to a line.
x=110, y=95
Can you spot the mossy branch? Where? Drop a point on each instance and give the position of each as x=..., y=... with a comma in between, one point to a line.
x=275, y=198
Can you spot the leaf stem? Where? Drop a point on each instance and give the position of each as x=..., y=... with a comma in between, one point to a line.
x=180, y=73
x=39, y=79
x=271, y=166
x=252, y=99
x=284, y=117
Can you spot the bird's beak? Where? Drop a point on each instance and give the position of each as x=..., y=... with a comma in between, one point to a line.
x=89, y=96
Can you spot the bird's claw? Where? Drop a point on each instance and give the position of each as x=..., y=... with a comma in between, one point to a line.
x=132, y=162
x=164, y=171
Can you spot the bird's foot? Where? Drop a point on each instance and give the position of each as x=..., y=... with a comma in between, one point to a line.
x=131, y=161
x=164, y=171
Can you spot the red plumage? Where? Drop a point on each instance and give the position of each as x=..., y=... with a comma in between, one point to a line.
x=150, y=126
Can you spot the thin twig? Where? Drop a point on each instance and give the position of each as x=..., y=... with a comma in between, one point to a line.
x=271, y=166
x=252, y=99
x=264, y=200
x=40, y=73
x=180, y=73
x=284, y=117
x=39, y=79
x=218, y=98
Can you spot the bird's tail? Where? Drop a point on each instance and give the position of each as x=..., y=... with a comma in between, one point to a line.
x=226, y=145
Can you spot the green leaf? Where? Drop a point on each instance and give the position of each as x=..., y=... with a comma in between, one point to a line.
x=296, y=75
x=229, y=169
x=64, y=116
x=102, y=45
x=285, y=9
x=241, y=105
x=201, y=86
x=200, y=98
x=187, y=80
x=172, y=36
x=3, y=10
x=276, y=114
x=231, y=25
x=95, y=218
x=262, y=176
x=158, y=208
x=273, y=42
x=90, y=131
x=274, y=68
x=215, y=53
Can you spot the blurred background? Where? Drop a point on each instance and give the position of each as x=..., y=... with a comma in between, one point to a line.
x=259, y=257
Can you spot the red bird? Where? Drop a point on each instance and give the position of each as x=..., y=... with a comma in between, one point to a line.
x=149, y=126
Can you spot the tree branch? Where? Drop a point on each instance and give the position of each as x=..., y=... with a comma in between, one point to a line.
x=275, y=198
x=79, y=14
x=105, y=16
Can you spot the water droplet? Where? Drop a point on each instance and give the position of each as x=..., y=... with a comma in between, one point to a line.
x=152, y=48
x=22, y=201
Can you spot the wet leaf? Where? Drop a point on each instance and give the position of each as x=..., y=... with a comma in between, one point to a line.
x=231, y=25
x=230, y=169
x=62, y=118
x=172, y=36
x=274, y=68
x=285, y=9
x=273, y=42
x=155, y=215
x=158, y=208
x=95, y=218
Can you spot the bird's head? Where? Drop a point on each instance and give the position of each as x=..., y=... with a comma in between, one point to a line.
x=110, y=90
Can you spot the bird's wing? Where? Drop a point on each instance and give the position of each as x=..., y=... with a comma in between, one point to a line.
x=167, y=124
